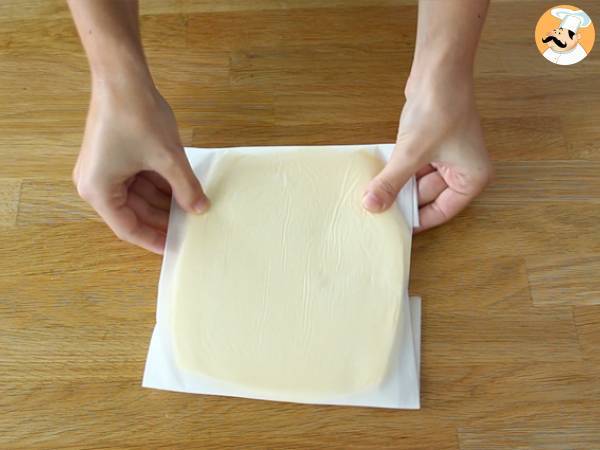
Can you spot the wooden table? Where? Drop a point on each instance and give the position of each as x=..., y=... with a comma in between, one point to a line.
x=511, y=288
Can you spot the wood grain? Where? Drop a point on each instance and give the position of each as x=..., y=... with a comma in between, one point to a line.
x=587, y=321
x=10, y=190
x=565, y=280
x=52, y=201
x=511, y=321
x=552, y=182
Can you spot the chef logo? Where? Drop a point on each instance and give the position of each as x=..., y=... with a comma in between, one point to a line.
x=564, y=35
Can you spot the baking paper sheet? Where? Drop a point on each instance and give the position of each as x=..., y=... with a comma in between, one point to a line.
x=400, y=388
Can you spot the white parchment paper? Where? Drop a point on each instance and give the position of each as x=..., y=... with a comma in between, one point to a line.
x=400, y=388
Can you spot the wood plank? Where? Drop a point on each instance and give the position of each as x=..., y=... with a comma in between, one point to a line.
x=24, y=9
x=49, y=142
x=554, y=438
x=221, y=105
x=10, y=190
x=500, y=96
x=551, y=182
x=187, y=136
x=326, y=67
x=57, y=37
x=527, y=139
x=52, y=202
x=28, y=9
x=317, y=26
x=465, y=393
x=78, y=247
x=565, y=414
x=474, y=337
x=484, y=284
x=480, y=312
x=74, y=326
x=548, y=426
x=231, y=133
x=563, y=280
x=125, y=414
x=581, y=133
x=587, y=321
x=535, y=229
x=322, y=106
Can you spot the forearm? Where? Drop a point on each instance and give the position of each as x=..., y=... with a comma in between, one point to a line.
x=110, y=35
x=448, y=34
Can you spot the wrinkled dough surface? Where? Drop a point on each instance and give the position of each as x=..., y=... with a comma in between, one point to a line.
x=287, y=285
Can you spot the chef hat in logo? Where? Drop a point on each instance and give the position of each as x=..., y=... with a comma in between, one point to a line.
x=570, y=19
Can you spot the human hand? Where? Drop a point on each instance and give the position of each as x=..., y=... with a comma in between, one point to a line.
x=441, y=141
x=130, y=162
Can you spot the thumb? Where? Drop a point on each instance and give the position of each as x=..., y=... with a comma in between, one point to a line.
x=381, y=192
x=185, y=186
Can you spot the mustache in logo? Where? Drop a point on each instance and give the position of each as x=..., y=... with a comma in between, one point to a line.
x=555, y=40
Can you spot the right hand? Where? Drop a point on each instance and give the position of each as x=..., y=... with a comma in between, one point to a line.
x=130, y=162
x=441, y=141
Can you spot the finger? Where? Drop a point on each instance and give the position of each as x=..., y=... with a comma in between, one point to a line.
x=447, y=205
x=148, y=214
x=157, y=180
x=383, y=189
x=424, y=171
x=184, y=184
x=149, y=192
x=123, y=221
x=429, y=187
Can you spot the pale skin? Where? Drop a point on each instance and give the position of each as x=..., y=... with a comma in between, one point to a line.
x=131, y=161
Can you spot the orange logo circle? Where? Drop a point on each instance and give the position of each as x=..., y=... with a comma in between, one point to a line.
x=565, y=35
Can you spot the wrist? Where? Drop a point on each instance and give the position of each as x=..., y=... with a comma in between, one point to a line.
x=441, y=61
x=124, y=83
x=440, y=73
x=124, y=92
x=120, y=68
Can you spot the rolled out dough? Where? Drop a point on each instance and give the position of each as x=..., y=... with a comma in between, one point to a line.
x=287, y=285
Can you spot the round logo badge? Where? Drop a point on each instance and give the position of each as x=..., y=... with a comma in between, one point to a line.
x=564, y=35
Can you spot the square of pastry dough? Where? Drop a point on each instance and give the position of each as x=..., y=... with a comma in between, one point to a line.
x=287, y=286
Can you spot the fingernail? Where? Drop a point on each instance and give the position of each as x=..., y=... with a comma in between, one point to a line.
x=201, y=205
x=372, y=202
